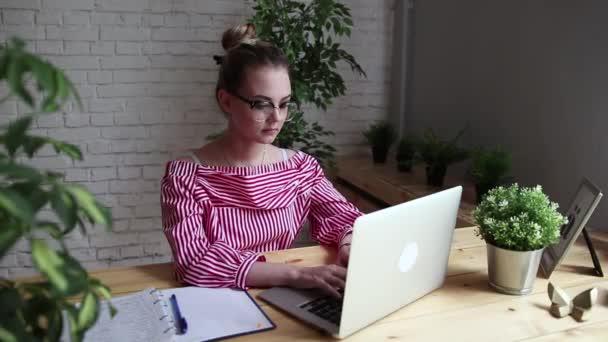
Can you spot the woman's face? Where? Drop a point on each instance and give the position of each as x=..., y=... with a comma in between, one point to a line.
x=263, y=87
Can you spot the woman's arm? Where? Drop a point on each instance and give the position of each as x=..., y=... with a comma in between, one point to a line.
x=328, y=278
x=198, y=261
x=332, y=215
x=344, y=250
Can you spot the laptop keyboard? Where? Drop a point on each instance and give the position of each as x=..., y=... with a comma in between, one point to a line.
x=328, y=308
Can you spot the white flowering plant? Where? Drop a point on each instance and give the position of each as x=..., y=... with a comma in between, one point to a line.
x=518, y=218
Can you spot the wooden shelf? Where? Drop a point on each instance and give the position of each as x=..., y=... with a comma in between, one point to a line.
x=374, y=186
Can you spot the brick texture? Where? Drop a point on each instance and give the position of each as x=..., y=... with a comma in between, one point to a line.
x=146, y=77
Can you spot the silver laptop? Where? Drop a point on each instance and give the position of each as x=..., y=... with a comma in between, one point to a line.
x=399, y=254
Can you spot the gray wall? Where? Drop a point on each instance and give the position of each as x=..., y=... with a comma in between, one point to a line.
x=529, y=75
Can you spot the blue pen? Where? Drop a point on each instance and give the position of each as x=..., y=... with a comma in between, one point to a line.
x=180, y=321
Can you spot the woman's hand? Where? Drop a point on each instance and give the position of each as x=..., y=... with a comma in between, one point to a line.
x=328, y=278
x=343, y=255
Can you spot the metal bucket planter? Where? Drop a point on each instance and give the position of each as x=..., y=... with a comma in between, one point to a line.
x=512, y=272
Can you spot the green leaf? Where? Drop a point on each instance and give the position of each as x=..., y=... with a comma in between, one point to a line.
x=15, y=71
x=49, y=103
x=12, y=170
x=76, y=335
x=89, y=310
x=16, y=205
x=43, y=71
x=63, y=87
x=70, y=150
x=49, y=106
x=113, y=310
x=64, y=273
x=55, y=325
x=44, y=74
x=16, y=331
x=15, y=134
x=33, y=193
x=4, y=61
x=9, y=234
x=32, y=144
x=102, y=289
x=86, y=201
x=50, y=264
x=53, y=177
x=51, y=227
x=65, y=207
x=74, y=92
x=79, y=279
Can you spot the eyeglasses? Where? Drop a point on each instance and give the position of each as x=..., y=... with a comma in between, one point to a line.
x=262, y=109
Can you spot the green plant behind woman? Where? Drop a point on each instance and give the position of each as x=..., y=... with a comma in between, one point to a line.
x=308, y=33
x=33, y=311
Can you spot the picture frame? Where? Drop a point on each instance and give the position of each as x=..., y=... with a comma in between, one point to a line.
x=580, y=210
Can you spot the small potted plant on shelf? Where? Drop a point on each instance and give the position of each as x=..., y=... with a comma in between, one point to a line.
x=406, y=154
x=517, y=223
x=438, y=155
x=380, y=135
x=489, y=169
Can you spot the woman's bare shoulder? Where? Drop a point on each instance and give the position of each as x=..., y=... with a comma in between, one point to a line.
x=290, y=152
x=209, y=154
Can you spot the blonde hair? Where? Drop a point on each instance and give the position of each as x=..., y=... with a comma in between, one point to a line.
x=237, y=35
x=245, y=50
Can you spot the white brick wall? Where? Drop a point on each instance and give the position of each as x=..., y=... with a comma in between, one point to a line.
x=146, y=76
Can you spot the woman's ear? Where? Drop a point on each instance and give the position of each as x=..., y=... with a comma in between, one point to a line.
x=225, y=100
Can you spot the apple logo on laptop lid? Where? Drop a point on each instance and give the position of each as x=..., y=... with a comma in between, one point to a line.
x=408, y=257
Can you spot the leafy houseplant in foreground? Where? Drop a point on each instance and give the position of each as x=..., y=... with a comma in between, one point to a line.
x=517, y=223
x=380, y=136
x=307, y=31
x=33, y=311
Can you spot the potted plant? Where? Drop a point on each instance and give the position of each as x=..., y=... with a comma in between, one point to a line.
x=380, y=135
x=32, y=311
x=489, y=169
x=406, y=153
x=438, y=155
x=517, y=223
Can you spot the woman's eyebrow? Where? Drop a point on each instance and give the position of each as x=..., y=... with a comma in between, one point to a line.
x=266, y=98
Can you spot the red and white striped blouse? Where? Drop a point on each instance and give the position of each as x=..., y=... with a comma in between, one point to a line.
x=219, y=219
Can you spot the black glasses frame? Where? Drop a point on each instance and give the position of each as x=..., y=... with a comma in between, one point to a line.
x=252, y=105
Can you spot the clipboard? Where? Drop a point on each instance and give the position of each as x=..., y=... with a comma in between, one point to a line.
x=212, y=314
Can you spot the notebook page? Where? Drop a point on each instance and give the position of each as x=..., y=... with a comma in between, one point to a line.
x=139, y=318
x=214, y=313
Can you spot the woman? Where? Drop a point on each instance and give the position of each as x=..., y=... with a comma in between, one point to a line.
x=240, y=196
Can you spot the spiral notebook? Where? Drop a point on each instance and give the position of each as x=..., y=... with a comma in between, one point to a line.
x=212, y=314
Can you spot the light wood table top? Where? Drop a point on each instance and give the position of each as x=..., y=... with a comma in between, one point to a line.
x=464, y=309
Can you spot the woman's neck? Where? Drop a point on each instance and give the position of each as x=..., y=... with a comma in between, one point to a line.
x=240, y=152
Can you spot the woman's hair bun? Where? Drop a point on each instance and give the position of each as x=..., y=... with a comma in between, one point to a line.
x=237, y=35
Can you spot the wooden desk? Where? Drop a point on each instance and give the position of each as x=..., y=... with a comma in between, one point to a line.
x=464, y=309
